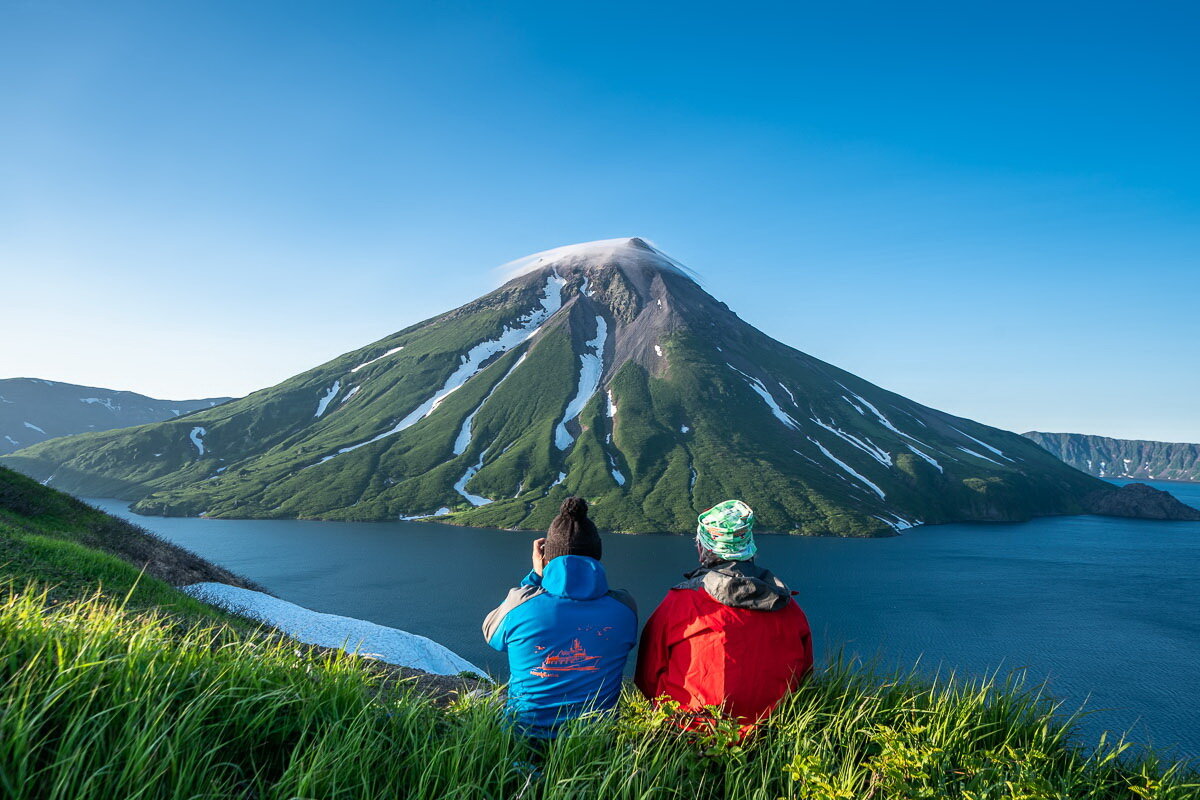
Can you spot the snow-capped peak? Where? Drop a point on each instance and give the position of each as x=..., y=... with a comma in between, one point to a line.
x=625, y=252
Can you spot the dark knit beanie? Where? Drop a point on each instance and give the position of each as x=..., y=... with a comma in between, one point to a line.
x=572, y=533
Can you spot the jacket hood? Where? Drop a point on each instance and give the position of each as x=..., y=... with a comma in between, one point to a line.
x=575, y=577
x=740, y=584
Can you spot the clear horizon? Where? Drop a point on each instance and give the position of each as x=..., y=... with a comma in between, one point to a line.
x=996, y=214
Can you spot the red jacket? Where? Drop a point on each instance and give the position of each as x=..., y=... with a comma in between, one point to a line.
x=730, y=636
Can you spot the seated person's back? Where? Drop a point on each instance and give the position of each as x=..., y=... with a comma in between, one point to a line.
x=730, y=635
x=567, y=635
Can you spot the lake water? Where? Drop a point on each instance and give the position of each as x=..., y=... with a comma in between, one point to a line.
x=1105, y=610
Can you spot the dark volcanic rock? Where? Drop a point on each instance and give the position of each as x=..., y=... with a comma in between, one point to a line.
x=1141, y=501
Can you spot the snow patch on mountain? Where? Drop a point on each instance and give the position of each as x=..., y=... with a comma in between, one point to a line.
x=981, y=455
x=460, y=485
x=986, y=445
x=196, y=435
x=353, y=391
x=897, y=522
x=325, y=400
x=438, y=513
x=868, y=447
x=378, y=358
x=762, y=392
x=472, y=363
x=107, y=402
x=31, y=426
x=847, y=468
x=464, y=433
x=591, y=367
x=925, y=456
x=367, y=639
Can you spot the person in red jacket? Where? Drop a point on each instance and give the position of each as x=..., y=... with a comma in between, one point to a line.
x=730, y=635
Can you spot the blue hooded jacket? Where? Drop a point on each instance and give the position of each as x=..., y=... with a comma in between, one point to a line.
x=567, y=638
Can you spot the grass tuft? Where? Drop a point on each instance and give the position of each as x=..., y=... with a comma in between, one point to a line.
x=101, y=700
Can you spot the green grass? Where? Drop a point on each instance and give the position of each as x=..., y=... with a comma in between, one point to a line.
x=77, y=551
x=100, y=701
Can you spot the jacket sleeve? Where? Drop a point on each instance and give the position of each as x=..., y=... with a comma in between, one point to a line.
x=498, y=623
x=654, y=650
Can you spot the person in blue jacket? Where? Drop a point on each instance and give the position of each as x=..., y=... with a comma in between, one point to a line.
x=566, y=633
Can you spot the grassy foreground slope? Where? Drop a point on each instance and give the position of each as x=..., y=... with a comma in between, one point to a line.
x=103, y=697
x=76, y=551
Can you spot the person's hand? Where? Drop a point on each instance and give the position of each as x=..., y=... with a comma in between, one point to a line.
x=539, y=555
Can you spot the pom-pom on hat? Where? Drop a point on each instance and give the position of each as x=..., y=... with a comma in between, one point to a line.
x=727, y=531
x=572, y=533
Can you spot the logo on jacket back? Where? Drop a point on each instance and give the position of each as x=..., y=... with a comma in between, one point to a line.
x=569, y=659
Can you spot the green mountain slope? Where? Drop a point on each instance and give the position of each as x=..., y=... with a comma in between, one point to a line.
x=1106, y=457
x=603, y=370
x=33, y=410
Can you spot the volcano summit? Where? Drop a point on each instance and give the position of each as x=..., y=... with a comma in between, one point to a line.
x=600, y=369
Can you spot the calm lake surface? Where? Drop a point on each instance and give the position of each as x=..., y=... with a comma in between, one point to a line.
x=1107, y=611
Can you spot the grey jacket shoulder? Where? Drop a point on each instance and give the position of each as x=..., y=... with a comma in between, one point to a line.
x=624, y=597
x=516, y=597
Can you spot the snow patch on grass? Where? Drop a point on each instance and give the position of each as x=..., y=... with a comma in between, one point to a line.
x=879, y=415
x=981, y=455
x=464, y=433
x=196, y=435
x=472, y=363
x=378, y=358
x=762, y=392
x=847, y=468
x=353, y=391
x=928, y=458
x=591, y=367
x=328, y=397
x=390, y=645
x=897, y=522
x=857, y=407
x=438, y=513
x=868, y=447
x=989, y=447
x=106, y=402
x=460, y=485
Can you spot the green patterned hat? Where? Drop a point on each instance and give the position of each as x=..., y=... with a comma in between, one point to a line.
x=727, y=531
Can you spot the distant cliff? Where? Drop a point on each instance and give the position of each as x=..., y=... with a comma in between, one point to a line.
x=1105, y=457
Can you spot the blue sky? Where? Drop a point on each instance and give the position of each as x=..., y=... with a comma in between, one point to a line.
x=993, y=210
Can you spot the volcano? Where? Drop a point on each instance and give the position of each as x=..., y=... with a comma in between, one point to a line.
x=601, y=369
